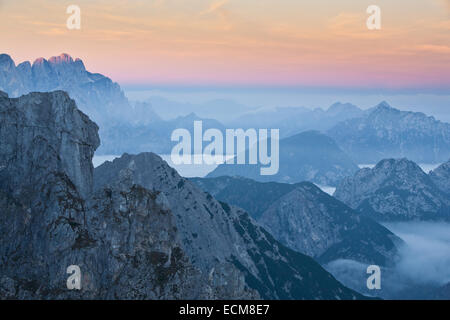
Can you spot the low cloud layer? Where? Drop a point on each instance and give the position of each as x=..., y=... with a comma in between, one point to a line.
x=423, y=267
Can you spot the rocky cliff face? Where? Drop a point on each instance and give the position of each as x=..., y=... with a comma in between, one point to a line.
x=395, y=190
x=145, y=233
x=386, y=132
x=308, y=220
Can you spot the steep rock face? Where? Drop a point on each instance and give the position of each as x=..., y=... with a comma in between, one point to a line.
x=308, y=156
x=394, y=190
x=385, y=132
x=215, y=233
x=124, y=244
x=307, y=220
x=43, y=134
x=441, y=177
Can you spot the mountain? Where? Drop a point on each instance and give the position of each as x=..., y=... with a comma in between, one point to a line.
x=136, y=229
x=385, y=132
x=122, y=238
x=307, y=156
x=213, y=232
x=97, y=95
x=293, y=120
x=308, y=220
x=250, y=195
x=441, y=177
x=395, y=189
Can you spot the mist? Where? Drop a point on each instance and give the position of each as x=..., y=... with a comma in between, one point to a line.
x=422, y=268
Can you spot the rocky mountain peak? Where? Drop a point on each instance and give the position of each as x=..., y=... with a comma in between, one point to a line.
x=383, y=105
x=46, y=128
x=6, y=61
x=62, y=58
x=39, y=61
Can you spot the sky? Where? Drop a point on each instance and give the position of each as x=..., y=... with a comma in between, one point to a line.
x=285, y=43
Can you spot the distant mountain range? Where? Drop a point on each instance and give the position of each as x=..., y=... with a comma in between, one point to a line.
x=307, y=220
x=97, y=95
x=293, y=120
x=223, y=110
x=398, y=190
x=366, y=136
x=154, y=136
x=307, y=156
x=385, y=132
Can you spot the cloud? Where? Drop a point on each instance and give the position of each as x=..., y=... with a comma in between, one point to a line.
x=423, y=262
x=216, y=6
x=440, y=49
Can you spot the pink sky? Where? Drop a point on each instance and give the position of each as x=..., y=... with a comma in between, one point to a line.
x=235, y=42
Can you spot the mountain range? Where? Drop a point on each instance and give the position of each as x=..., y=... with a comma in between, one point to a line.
x=307, y=220
x=398, y=190
x=294, y=120
x=135, y=228
x=307, y=156
x=385, y=132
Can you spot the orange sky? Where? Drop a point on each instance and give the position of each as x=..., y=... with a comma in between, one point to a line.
x=240, y=42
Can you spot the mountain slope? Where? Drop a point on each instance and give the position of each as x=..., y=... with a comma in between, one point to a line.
x=307, y=220
x=308, y=156
x=395, y=189
x=441, y=177
x=385, y=132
